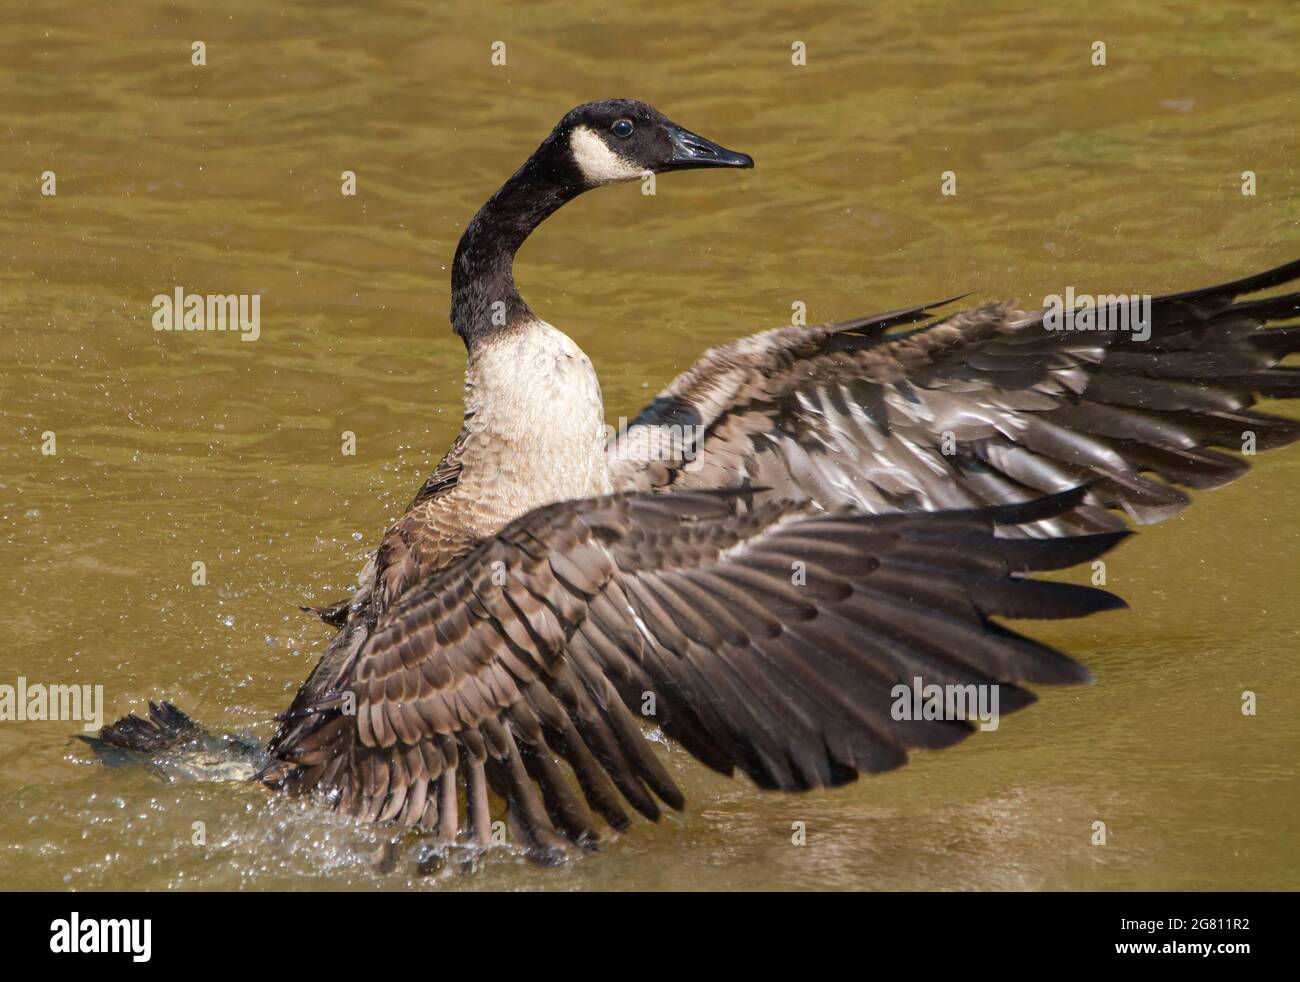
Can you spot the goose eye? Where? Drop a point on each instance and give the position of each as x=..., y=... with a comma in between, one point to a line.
x=622, y=127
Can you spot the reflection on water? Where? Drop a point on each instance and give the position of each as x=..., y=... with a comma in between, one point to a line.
x=176, y=448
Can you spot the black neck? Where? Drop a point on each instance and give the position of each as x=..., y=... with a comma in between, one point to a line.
x=484, y=299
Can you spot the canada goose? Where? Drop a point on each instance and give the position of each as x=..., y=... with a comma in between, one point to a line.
x=759, y=592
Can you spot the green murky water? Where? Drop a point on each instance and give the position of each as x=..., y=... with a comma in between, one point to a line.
x=177, y=448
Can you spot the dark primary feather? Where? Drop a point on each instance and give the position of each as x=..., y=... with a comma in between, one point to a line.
x=852, y=414
x=524, y=667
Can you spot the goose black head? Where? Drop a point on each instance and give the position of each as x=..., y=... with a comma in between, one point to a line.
x=594, y=144
x=622, y=139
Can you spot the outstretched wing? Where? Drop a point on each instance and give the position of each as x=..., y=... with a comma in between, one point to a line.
x=768, y=639
x=987, y=406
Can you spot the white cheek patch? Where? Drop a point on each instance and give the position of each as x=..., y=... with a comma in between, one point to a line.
x=598, y=163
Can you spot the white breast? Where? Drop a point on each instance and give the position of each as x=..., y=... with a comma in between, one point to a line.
x=535, y=423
